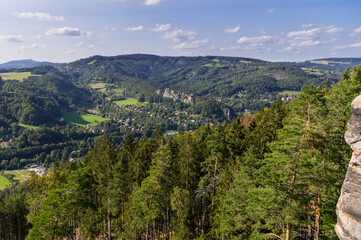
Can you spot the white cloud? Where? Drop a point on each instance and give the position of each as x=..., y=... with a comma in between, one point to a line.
x=233, y=30
x=40, y=16
x=67, y=31
x=307, y=25
x=32, y=46
x=233, y=48
x=152, y=2
x=139, y=28
x=192, y=44
x=356, y=31
x=39, y=36
x=333, y=30
x=355, y=45
x=179, y=35
x=305, y=33
x=271, y=10
x=70, y=52
x=255, y=40
x=92, y=46
x=161, y=27
x=254, y=43
x=11, y=38
x=308, y=43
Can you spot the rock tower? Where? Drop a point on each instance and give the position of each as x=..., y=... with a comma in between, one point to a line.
x=349, y=204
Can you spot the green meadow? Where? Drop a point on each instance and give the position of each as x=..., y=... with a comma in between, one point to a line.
x=16, y=75
x=82, y=119
x=28, y=127
x=20, y=175
x=313, y=71
x=4, y=182
x=127, y=101
x=289, y=93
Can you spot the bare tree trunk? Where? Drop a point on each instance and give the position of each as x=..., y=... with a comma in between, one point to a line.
x=309, y=229
x=318, y=216
x=108, y=219
x=288, y=231
x=214, y=184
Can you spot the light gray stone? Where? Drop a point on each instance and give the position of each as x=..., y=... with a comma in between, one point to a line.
x=356, y=106
x=348, y=208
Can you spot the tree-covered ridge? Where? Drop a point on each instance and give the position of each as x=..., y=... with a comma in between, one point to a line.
x=274, y=176
x=214, y=76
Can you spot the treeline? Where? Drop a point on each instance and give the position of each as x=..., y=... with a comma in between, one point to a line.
x=275, y=175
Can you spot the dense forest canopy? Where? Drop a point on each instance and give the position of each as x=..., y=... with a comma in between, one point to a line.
x=274, y=175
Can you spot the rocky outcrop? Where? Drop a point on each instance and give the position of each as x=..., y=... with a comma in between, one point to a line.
x=168, y=93
x=349, y=204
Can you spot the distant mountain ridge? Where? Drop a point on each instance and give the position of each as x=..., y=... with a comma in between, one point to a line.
x=330, y=64
x=27, y=63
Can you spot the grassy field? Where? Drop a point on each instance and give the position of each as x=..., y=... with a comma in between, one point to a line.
x=97, y=85
x=92, y=62
x=16, y=75
x=127, y=101
x=4, y=182
x=82, y=120
x=313, y=71
x=289, y=93
x=20, y=175
x=27, y=126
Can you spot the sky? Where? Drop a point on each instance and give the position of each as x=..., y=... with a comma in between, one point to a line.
x=272, y=30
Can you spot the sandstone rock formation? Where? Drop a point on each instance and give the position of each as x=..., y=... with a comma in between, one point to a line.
x=168, y=93
x=349, y=204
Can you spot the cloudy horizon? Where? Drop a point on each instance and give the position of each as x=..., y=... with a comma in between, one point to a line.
x=276, y=30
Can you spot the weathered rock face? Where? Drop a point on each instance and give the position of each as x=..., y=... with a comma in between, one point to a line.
x=349, y=204
x=168, y=93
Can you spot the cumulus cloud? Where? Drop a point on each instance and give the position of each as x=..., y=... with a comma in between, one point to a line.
x=254, y=43
x=233, y=30
x=356, y=31
x=40, y=16
x=161, y=27
x=307, y=25
x=11, y=38
x=253, y=40
x=152, y=2
x=355, y=45
x=139, y=28
x=192, y=44
x=304, y=33
x=179, y=35
x=333, y=30
x=67, y=31
x=183, y=39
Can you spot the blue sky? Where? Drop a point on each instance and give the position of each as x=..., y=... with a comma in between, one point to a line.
x=273, y=30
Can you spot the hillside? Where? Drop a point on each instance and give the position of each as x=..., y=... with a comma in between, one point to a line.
x=337, y=65
x=241, y=83
x=26, y=63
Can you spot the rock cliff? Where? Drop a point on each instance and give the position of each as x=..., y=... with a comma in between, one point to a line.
x=168, y=93
x=349, y=204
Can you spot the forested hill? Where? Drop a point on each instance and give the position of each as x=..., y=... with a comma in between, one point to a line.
x=274, y=175
x=201, y=76
x=330, y=64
